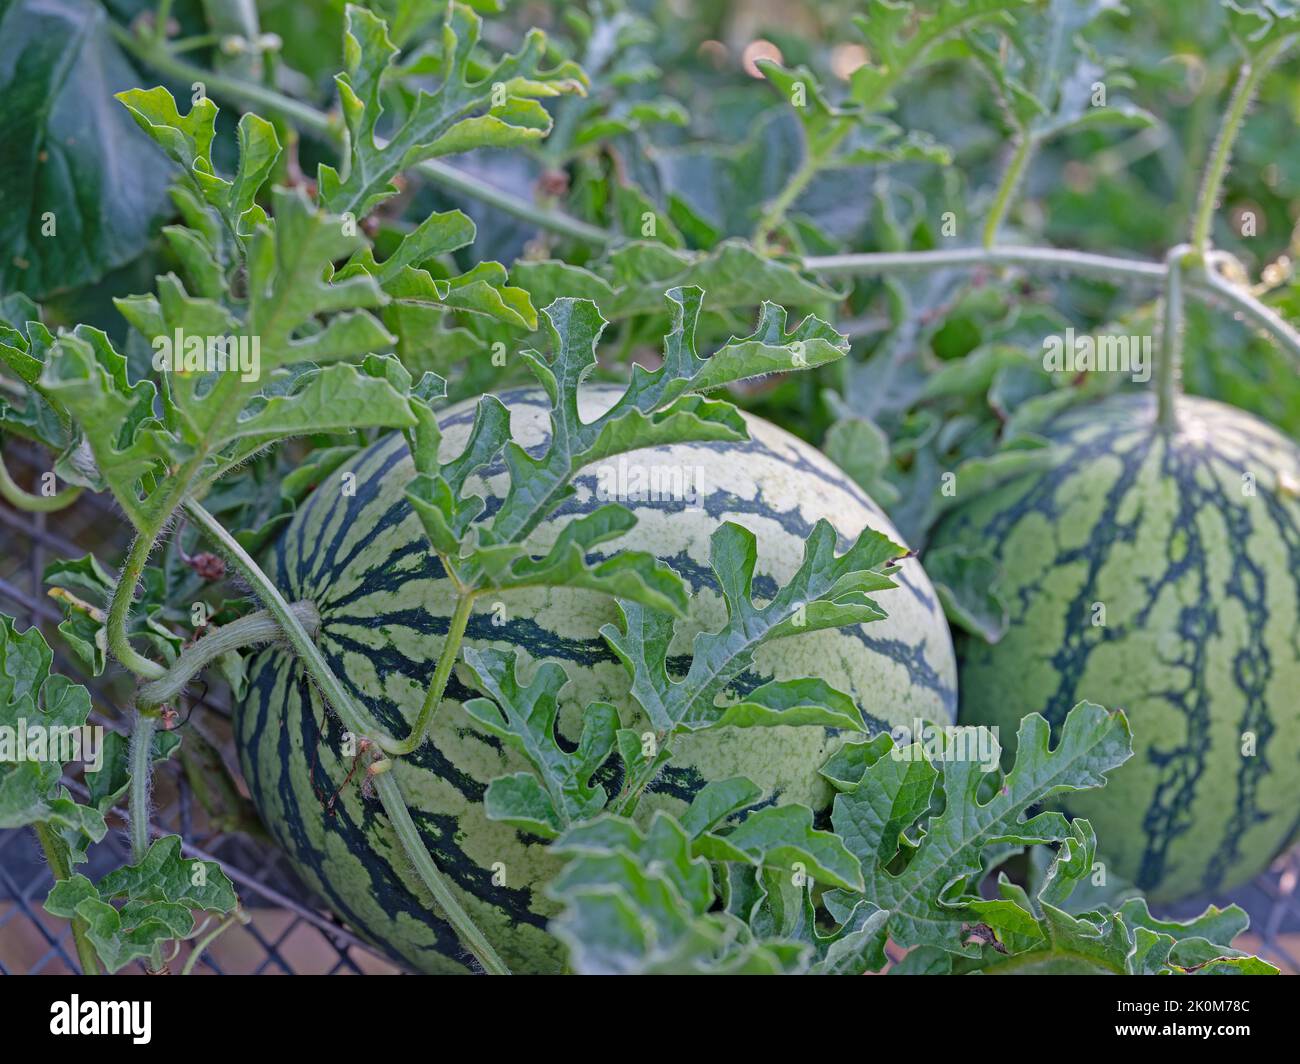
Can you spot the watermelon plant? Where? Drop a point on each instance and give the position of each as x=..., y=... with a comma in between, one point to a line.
x=545, y=655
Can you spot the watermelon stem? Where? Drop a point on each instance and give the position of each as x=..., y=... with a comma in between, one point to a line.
x=1011, y=178
x=1169, y=368
x=119, y=608
x=1248, y=82
x=354, y=718
x=471, y=937
x=447, y=658
x=1059, y=260
x=141, y=764
x=250, y=630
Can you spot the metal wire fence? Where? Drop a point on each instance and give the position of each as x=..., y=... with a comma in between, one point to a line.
x=289, y=931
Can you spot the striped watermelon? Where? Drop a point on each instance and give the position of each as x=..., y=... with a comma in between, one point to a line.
x=385, y=605
x=1198, y=579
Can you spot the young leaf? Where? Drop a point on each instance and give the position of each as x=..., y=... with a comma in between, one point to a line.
x=1260, y=25
x=84, y=588
x=498, y=109
x=524, y=717
x=406, y=277
x=1048, y=75
x=929, y=887
x=837, y=137
x=826, y=591
x=1040, y=935
x=782, y=838
x=656, y=409
x=628, y=281
x=86, y=379
x=187, y=139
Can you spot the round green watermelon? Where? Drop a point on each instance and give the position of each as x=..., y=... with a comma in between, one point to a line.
x=385, y=603
x=1160, y=574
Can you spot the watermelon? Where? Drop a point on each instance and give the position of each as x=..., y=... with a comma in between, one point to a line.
x=385, y=603
x=1157, y=573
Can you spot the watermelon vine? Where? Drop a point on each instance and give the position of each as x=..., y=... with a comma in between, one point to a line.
x=503, y=718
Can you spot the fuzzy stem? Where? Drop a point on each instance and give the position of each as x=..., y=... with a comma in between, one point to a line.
x=446, y=662
x=161, y=19
x=141, y=767
x=18, y=497
x=119, y=609
x=1252, y=74
x=626, y=803
x=259, y=627
x=775, y=213
x=1101, y=267
x=1011, y=178
x=308, y=118
x=59, y=869
x=471, y=937
x=236, y=917
x=354, y=718
x=1169, y=367
x=1211, y=286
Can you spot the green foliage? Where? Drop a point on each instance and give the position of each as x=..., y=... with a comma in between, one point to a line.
x=36, y=700
x=470, y=109
x=651, y=204
x=660, y=407
x=134, y=910
x=828, y=591
x=82, y=190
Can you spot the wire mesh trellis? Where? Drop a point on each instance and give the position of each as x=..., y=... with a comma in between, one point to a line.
x=288, y=931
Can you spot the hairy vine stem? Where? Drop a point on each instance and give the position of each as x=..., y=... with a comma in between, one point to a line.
x=1248, y=82
x=119, y=609
x=306, y=117
x=1208, y=285
x=471, y=936
x=447, y=659
x=354, y=718
x=1011, y=178
x=141, y=766
x=1169, y=368
x=775, y=212
x=59, y=869
x=254, y=628
x=1081, y=263
x=1214, y=287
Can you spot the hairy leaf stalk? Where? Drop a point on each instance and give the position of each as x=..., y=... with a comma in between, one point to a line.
x=1248, y=82
x=259, y=627
x=1169, y=368
x=471, y=937
x=141, y=764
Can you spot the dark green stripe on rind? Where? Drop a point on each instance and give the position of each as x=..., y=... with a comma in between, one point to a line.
x=1202, y=640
